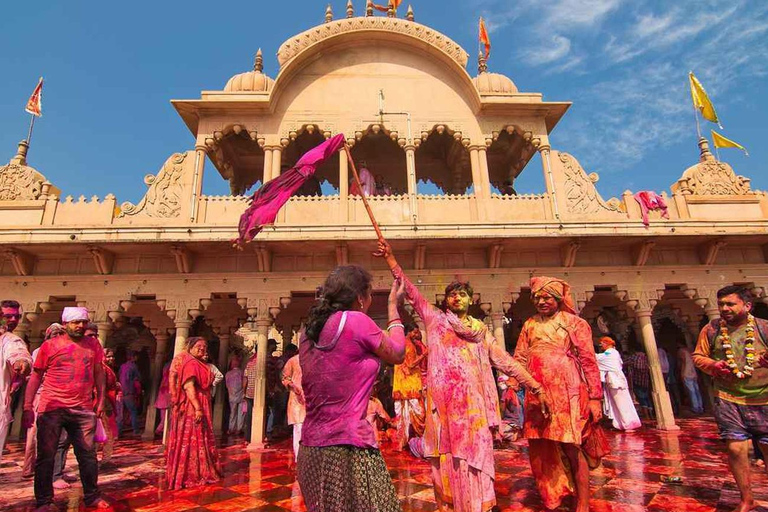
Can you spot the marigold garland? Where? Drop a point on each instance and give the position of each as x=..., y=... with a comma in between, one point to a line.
x=749, y=348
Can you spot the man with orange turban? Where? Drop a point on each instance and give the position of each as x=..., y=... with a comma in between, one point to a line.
x=556, y=347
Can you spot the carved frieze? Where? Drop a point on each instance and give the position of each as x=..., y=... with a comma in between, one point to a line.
x=713, y=178
x=20, y=183
x=580, y=193
x=301, y=42
x=163, y=199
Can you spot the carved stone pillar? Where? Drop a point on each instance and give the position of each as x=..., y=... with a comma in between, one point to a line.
x=104, y=329
x=497, y=321
x=482, y=154
x=156, y=373
x=665, y=418
x=277, y=161
x=197, y=182
x=259, y=419
x=343, y=175
x=267, y=165
x=221, y=390
x=474, y=160
x=549, y=178
x=182, y=333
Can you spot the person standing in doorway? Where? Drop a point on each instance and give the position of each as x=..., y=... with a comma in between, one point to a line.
x=249, y=387
x=234, y=382
x=130, y=382
x=690, y=378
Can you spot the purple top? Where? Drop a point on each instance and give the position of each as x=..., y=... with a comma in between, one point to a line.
x=338, y=373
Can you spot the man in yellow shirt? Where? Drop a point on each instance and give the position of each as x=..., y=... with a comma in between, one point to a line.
x=407, y=390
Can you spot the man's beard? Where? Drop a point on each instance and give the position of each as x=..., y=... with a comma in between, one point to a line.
x=75, y=335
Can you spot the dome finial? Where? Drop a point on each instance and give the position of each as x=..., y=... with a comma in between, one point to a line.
x=21, y=154
x=328, y=14
x=482, y=63
x=258, y=62
x=369, y=8
x=409, y=14
x=350, y=9
x=706, y=154
x=391, y=12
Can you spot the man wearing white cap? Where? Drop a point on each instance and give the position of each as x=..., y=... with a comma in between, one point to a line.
x=15, y=361
x=71, y=364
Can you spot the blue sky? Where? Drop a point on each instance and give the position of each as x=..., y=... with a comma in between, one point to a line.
x=112, y=67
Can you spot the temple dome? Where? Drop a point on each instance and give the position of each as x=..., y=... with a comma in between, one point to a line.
x=494, y=83
x=251, y=81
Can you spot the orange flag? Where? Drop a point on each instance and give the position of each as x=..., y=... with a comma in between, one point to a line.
x=35, y=103
x=484, y=39
x=384, y=8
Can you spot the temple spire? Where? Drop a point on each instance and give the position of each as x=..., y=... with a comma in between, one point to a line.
x=258, y=62
x=706, y=154
x=369, y=8
x=350, y=9
x=328, y=14
x=482, y=63
x=21, y=154
x=391, y=10
x=409, y=14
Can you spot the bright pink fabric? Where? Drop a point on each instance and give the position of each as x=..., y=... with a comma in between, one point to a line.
x=69, y=372
x=268, y=200
x=650, y=200
x=338, y=379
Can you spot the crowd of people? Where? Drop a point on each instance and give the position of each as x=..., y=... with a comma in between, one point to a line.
x=449, y=407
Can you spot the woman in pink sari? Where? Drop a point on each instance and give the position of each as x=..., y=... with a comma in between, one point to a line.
x=192, y=457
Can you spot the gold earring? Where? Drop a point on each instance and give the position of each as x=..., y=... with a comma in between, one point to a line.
x=361, y=303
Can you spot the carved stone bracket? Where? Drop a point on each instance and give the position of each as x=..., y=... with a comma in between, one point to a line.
x=23, y=263
x=165, y=194
x=568, y=253
x=184, y=259
x=103, y=259
x=581, y=196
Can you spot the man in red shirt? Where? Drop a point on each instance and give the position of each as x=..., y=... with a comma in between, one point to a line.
x=71, y=364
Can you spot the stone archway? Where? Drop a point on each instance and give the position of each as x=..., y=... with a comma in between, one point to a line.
x=442, y=158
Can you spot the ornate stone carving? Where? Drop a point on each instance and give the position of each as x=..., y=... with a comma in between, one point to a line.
x=713, y=178
x=163, y=199
x=20, y=183
x=301, y=42
x=581, y=196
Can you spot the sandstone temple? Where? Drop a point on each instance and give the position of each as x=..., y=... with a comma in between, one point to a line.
x=445, y=141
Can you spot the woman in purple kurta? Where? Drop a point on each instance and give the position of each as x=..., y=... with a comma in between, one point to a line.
x=340, y=466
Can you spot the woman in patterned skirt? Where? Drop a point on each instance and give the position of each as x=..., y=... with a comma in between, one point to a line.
x=340, y=467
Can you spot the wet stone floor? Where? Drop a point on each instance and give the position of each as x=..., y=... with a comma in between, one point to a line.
x=630, y=479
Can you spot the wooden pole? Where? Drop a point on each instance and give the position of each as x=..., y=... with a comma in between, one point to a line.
x=356, y=177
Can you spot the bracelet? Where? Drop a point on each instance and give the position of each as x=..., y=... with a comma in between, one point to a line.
x=395, y=325
x=394, y=321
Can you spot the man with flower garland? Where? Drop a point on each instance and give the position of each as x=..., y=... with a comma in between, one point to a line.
x=733, y=350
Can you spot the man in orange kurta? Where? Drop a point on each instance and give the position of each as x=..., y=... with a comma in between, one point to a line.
x=556, y=347
x=407, y=390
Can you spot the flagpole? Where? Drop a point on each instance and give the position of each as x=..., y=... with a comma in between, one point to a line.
x=695, y=110
x=31, y=126
x=356, y=177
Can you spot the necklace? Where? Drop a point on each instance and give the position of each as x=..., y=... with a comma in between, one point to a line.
x=749, y=348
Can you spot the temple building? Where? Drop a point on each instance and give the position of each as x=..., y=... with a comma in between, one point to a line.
x=445, y=148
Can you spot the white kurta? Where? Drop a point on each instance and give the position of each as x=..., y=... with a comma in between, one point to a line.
x=617, y=403
x=12, y=349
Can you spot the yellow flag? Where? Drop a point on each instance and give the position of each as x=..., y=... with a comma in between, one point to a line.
x=701, y=101
x=722, y=142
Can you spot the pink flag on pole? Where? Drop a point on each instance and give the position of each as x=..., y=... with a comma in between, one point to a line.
x=267, y=201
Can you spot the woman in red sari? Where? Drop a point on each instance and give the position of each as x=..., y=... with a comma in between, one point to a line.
x=192, y=457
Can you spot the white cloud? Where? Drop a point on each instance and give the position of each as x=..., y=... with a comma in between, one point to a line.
x=557, y=47
x=581, y=13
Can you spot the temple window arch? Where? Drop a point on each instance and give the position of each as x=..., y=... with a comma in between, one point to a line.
x=236, y=150
x=381, y=152
x=509, y=152
x=326, y=179
x=443, y=161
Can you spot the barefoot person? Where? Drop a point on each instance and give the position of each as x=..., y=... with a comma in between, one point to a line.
x=556, y=347
x=732, y=349
x=71, y=365
x=462, y=402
